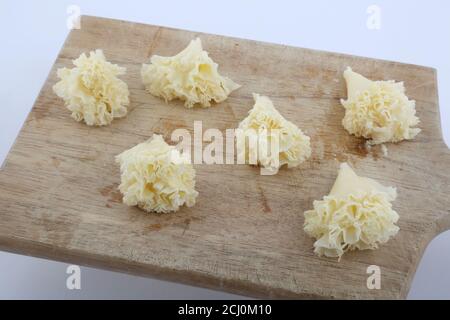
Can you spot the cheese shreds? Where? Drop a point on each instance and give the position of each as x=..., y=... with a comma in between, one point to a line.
x=155, y=177
x=191, y=76
x=92, y=91
x=378, y=110
x=262, y=120
x=357, y=214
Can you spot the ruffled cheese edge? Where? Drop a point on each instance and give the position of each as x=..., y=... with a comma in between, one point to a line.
x=379, y=110
x=358, y=221
x=293, y=145
x=153, y=178
x=92, y=91
x=191, y=76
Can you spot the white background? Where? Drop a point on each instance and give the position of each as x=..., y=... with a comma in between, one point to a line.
x=32, y=33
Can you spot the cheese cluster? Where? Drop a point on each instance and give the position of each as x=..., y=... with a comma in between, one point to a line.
x=155, y=177
x=378, y=110
x=191, y=76
x=262, y=121
x=357, y=214
x=92, y=91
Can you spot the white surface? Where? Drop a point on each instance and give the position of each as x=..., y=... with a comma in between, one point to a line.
x=32, y=33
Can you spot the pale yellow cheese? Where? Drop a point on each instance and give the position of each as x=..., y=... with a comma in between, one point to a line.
x=191, y=76
x=92, y=91
x=378, y=110
x=155, y=177
x=293, y=145
x=357, y=214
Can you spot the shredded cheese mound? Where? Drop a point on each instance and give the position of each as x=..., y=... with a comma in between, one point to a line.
x=155, y=177
x=378, y=110
x=263, y=119
x=357, y=214
x=191, y=75
x=92, y=90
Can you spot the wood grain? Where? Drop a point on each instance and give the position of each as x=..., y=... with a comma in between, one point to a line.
x=58, y=187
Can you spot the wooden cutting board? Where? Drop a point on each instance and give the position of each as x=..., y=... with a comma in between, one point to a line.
x=58, y=186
